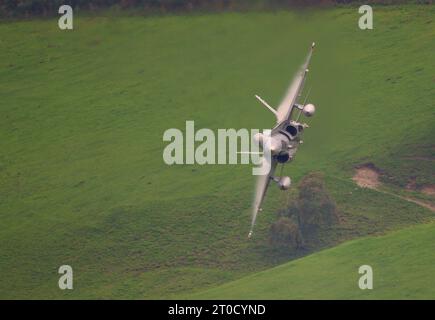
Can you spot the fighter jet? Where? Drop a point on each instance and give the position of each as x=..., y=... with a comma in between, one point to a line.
x=284, y=138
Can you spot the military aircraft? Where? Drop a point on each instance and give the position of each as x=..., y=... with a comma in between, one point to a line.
x=284, y=138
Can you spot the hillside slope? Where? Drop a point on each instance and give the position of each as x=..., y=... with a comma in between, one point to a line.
x=82, y=180
x=402, y=262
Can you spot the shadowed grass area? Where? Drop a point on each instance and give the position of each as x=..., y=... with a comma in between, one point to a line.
x=402, y=269
x=82, y=180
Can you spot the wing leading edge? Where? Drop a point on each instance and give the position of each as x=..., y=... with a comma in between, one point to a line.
x=260, y=191
x=285, y=108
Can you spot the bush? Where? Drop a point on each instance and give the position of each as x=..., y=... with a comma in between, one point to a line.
x=292, y=211
x=312, y=210
x=285, y=232
x=316, y=207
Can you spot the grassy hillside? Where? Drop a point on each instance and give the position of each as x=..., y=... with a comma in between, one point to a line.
x=82, y=181
x=402, y=269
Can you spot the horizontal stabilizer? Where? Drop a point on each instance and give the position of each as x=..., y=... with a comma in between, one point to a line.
x=267, y=106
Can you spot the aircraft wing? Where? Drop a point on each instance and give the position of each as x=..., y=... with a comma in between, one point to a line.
x=285, y=108
x=260, y=191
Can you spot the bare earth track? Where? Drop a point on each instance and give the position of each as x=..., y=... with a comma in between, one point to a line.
x=367, y=176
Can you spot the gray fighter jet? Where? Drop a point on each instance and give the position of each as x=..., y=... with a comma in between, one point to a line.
x=284, y=138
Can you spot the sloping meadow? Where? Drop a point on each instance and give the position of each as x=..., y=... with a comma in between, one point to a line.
x=83, y=181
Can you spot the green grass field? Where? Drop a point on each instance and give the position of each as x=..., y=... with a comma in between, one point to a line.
x=82, y=180
x=401, y=269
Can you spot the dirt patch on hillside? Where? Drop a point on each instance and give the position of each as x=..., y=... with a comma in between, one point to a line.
x=428, y=190
x=367, y=176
